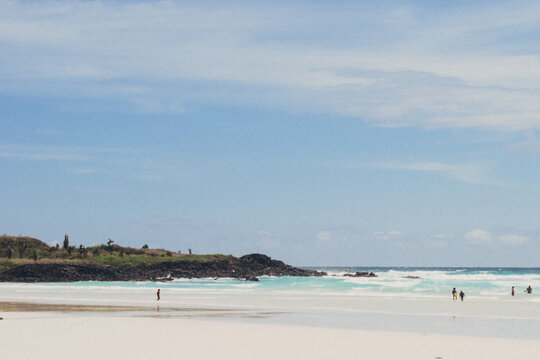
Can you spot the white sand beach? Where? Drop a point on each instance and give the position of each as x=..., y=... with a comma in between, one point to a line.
x=227, y=319
x=33, y=336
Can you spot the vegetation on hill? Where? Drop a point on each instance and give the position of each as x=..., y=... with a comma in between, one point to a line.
x=16, y=250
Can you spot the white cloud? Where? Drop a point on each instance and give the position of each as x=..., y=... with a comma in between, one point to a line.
x=393, y=234
x=513, y=239
x=325, y=236
x=478, y=236
x=444, y=236
x=406, y=67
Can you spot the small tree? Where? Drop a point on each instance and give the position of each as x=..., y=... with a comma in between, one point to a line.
x=66, y=242
x=145, y=246
x=34, y=255
x=96, y=251
x=82, y=250
x=9, y=252
x=110, y=243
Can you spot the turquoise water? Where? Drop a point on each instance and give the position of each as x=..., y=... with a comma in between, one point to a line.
x=391, y=282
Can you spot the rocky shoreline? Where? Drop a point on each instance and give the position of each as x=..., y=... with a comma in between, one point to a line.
x=248, y=267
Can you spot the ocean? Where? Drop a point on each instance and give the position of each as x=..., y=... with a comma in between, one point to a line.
x=391, y=282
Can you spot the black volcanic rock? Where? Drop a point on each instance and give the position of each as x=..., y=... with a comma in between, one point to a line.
x=361, y=274
x=56, y=273
x=248, y=267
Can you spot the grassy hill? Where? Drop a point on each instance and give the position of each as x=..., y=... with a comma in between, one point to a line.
x=17, y=250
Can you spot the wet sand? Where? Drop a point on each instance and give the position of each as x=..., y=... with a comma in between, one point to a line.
x=135, y=311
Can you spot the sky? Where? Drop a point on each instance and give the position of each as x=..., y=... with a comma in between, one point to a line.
x=376, y=133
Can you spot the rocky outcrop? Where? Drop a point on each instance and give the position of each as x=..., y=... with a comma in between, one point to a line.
x=248, y=267
x=361, y=274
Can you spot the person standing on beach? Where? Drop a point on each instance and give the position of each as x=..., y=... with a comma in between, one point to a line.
x=512, y=291
x=158, y=293
x=454, y=294
x=461, y=295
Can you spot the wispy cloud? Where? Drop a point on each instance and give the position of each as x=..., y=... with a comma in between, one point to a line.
x=484, y=237
x=325, y=236
x=397, y=65
x=134, y=164
x=479, y=237
x=59, y=153
x=41, y=153
x=469, y=173
x=387, y=235
x=444, y=236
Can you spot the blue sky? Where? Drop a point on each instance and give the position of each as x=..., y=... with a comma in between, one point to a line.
x=320, y=133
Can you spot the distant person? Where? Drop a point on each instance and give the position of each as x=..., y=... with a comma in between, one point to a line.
x=513, y=292
x=529, y=290
x=461, y=295
x=454, y=294
x=158, y=293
